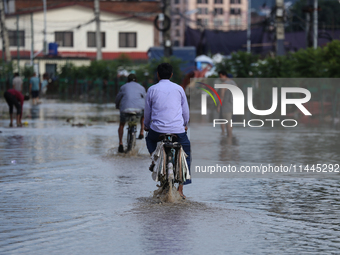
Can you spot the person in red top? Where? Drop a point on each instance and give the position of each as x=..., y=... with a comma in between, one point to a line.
x=14, y=97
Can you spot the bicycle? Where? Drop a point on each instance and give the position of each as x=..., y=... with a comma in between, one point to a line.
x=132, y=119
x=170, y=163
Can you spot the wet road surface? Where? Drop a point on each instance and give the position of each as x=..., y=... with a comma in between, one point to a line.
x=64, y=190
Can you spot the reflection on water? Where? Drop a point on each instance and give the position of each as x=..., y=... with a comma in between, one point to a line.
x=228, y=150
x=66, y=190
x=35, y=110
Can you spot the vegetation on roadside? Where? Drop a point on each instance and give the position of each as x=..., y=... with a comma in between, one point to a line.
x=316, y=63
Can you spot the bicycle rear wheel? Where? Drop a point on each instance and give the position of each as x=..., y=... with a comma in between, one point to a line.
x=131, y=138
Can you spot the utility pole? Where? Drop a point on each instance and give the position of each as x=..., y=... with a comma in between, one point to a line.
x=98, y=34
x=3, y=43
x=18, y=44
x=45, y=41
x=32, y=40
x=5, y=39
x=307, y=28
x=280, y=30
x=315, y=20
x=167, y=34
x=249, y=28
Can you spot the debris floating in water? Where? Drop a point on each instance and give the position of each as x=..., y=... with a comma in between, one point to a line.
x=13, y=161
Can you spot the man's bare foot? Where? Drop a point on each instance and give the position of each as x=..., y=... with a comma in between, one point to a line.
x=180, y=191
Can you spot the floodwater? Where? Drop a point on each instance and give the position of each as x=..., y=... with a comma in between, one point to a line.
x=64, y=190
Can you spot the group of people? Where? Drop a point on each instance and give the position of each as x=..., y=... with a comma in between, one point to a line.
x=15, y=98
x=164, y=109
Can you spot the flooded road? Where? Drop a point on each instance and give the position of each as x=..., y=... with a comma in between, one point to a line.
x=64, y=190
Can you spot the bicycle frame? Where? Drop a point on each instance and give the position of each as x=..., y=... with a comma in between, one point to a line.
x=132, y=119
x=171, y=148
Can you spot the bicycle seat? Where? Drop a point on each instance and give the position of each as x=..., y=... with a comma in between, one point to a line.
x=132, y=111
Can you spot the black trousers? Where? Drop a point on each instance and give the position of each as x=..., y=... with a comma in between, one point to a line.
x=12, y=100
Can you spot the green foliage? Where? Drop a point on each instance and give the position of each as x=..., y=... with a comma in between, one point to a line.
x=241, y=64
x=175, y=62
x=320, y=62
x=317, y=63
x=275, y=67
x=5, y=69
x=308, y=63
x=331, y=59
x=102, y=69
x=28, y=71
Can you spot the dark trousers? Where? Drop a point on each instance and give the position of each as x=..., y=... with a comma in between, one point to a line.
x=12, y=100
x=153, y=137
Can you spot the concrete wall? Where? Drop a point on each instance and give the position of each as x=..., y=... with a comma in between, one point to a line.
x=68, y=18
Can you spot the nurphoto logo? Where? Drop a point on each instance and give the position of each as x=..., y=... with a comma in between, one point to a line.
x=239, y=106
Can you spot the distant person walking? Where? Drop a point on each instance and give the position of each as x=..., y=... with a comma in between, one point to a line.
x=226, y=110
x=17, y=82
x=44, y=84
x=35, y=87
x=131, y=98
x=15, y=98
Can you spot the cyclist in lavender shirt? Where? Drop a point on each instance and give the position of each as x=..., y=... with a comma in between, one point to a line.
x=167, y=111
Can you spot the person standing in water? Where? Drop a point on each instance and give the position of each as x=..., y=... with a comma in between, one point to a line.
x=35, y=87
x=15, y=98
x=226, y=111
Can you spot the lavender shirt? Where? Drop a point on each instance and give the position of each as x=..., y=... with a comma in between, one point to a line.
x=166, y=108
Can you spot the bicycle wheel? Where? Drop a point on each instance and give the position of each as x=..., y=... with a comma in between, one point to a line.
x=131, y=138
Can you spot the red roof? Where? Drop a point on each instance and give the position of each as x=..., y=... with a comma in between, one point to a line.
x=142, y=10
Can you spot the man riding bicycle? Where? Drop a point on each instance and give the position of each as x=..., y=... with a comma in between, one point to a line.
x=167, y=111
x=131, y=98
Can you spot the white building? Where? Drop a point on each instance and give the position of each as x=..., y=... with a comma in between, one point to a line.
x=72, y=26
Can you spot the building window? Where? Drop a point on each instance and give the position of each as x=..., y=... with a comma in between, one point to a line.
x=218, y=1
x=176, y=1
x=202, y=1
x=235, y=11
x=91, y=39
x=13, y=40
x=176, y=43
x=218, y=11
x=235, y=23
x=218, y=22
x=202, y=22
x=178, y=33
x=235, y=1
x=202, y=11
x=64, y=39
x=127, y=40
x=177, y=22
